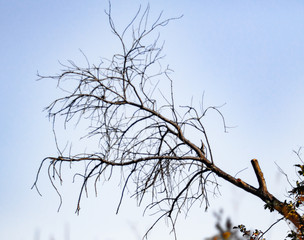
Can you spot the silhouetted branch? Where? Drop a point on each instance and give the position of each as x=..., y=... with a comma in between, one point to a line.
x=162, y=150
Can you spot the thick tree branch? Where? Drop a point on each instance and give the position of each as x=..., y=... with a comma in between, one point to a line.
x=259, y=175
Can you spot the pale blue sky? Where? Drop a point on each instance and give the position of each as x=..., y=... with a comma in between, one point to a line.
x=247, y=54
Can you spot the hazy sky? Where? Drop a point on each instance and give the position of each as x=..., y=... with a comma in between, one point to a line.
x=247, y=54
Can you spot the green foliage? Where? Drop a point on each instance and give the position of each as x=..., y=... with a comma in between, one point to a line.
x=250, y=235
x=269, y=205
x=293, y=236
x=297, y=196
x=225, y=229
x=301, y=171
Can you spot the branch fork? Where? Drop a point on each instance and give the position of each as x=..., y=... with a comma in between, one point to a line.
x=259, y=175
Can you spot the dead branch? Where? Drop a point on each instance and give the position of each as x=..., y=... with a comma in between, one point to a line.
x=141, y=131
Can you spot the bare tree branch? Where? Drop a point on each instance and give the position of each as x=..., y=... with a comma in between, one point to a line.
x=162, y=150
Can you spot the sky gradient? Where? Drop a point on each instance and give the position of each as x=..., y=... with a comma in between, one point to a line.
x=246, y=54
